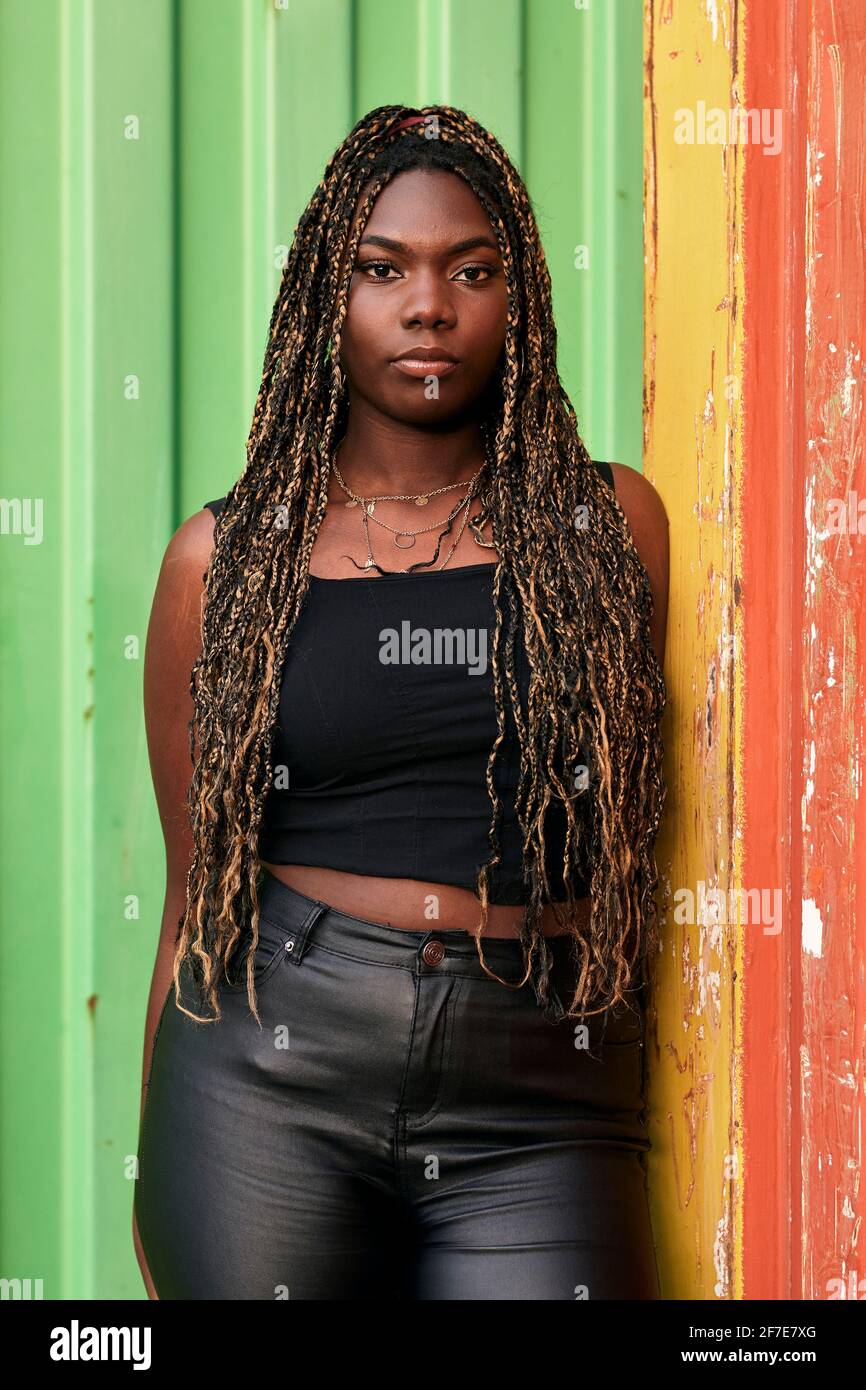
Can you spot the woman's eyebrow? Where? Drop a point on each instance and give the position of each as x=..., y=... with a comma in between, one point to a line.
x=467, y=245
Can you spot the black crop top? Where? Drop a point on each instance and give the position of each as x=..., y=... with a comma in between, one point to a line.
x=386, y=720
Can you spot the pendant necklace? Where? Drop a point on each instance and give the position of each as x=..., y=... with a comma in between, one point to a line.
x=367, y=505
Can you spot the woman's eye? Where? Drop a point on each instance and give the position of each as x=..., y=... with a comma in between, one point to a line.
x=384, y=266
x=377, y=265
x=485, y=269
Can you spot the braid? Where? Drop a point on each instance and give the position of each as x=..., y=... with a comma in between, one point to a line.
x=579, y=594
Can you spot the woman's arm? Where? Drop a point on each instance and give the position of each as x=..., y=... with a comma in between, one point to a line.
x=173, y=644
x=648, y=522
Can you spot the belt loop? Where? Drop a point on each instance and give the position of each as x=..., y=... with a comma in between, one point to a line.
x=304, y=931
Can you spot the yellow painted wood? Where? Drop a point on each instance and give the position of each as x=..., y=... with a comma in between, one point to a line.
x=693, y=286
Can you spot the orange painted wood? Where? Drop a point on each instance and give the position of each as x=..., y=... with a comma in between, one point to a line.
x=803, y=1044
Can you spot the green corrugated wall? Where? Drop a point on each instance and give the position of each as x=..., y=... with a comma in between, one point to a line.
x=154, y=160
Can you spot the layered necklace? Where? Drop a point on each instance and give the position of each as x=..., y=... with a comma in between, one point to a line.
x=404, y=538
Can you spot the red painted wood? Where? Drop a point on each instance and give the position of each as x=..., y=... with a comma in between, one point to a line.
x=803, y=604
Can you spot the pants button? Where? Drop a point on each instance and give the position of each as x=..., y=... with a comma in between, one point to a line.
x=433, y=953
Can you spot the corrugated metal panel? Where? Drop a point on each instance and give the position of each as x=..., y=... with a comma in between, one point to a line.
x=153, y=163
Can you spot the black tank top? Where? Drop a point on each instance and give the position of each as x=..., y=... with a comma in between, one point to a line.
x=386, y=719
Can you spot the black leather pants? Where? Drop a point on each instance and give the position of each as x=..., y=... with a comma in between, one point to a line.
x=402, y=1126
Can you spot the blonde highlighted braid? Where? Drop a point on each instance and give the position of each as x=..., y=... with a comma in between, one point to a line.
x=579, y=593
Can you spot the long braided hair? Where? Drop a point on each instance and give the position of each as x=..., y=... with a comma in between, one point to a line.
x=568, y=575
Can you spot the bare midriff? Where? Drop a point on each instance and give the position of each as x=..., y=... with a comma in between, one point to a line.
x=411, y=903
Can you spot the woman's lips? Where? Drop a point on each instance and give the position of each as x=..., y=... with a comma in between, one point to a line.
x=422, y=366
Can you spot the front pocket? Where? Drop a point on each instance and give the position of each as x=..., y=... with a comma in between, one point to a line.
x=273, y=946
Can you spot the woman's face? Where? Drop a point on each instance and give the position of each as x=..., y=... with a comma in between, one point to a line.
x=418, y=284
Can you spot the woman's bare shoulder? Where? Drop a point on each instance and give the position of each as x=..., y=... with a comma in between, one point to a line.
x=193, y=536
x=639, y=499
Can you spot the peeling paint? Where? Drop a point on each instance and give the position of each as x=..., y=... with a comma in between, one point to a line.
x=753, y=422
x=812, y=928
x=692, y=400
x=804, y=1015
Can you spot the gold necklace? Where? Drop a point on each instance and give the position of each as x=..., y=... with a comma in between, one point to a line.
x=421, y=499
x=370, y=562
x=367, y=512
x=367, y=505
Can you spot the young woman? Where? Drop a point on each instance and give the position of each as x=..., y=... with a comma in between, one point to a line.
x=410, y=896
